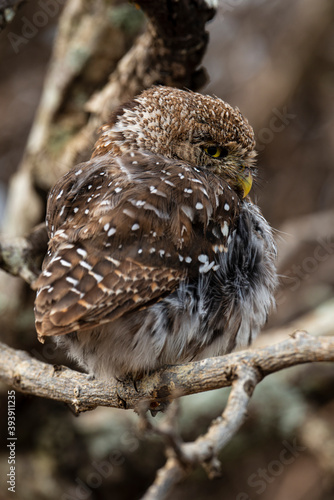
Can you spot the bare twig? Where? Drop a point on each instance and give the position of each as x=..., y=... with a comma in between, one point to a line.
x=168, y=429
x=167, y=477
x=204, y=450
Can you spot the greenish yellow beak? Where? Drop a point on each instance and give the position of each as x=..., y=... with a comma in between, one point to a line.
x=245, y=181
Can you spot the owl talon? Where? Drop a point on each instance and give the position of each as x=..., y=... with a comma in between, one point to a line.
x=157, y=407
x=121, y=402
x=129, y=379
x=134, y=381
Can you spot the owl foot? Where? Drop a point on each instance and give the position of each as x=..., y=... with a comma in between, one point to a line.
x=129, y=379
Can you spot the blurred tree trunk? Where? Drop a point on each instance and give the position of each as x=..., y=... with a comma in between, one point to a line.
x=98, y=62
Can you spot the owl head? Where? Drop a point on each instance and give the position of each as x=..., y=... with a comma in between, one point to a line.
x=203, y=131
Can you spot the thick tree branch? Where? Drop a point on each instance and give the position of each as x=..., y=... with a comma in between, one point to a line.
x=28, y=375
x=243, y=370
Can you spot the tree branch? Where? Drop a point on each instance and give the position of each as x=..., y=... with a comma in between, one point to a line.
x=167, y=477
x=249, y=370
x=204, y=449
x=243, y=370
x=26, y=374
x=23, y=256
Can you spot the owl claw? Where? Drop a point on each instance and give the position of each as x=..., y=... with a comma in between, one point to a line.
x=157, y=407
x=134, y=381
x=129, y=379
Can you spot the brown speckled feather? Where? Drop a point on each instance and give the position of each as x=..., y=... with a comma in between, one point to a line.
x=119, y=243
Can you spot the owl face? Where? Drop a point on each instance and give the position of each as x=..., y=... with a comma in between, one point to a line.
x=201, y=130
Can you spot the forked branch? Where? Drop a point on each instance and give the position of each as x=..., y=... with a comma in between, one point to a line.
x=243, y=370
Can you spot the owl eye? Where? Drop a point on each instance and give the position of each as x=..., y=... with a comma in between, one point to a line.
x=216, y=151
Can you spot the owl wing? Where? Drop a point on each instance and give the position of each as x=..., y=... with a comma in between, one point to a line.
x=124, y=232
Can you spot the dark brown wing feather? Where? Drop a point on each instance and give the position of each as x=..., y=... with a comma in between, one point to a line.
x=124, y=232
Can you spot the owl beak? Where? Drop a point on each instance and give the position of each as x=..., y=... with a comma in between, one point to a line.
x=245, y=181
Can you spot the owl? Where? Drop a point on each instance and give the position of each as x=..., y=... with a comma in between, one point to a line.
x=156, y=253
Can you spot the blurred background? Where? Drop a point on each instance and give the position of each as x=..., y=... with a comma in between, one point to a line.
x=275, y=61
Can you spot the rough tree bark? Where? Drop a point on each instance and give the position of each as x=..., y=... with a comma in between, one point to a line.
x=28, y=375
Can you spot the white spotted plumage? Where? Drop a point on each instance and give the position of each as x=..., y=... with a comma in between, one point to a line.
x=168, y=262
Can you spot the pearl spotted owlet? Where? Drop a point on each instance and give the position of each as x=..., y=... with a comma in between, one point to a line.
x=156, y=253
